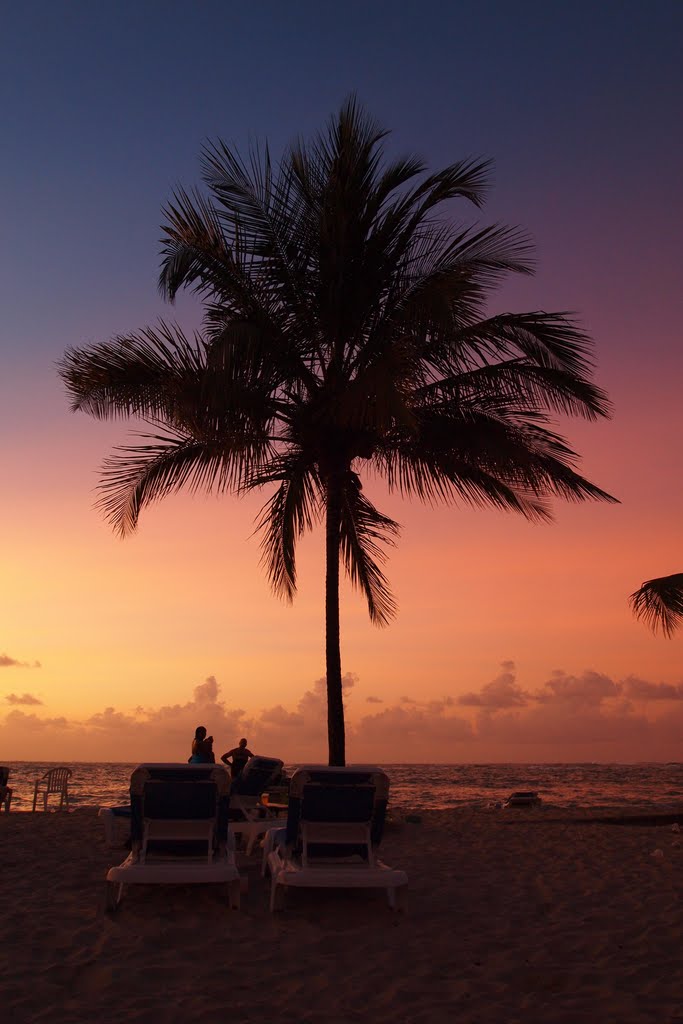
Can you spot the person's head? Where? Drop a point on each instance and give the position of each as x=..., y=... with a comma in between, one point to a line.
x=243, y=743
x=200, y=732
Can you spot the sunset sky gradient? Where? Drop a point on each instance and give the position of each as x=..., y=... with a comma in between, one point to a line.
x=514, y=642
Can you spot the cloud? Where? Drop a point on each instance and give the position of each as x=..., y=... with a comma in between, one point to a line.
x=548, y=732
x=411, y=733
x=206, y=692
x=281, y=717
x=501, y=692
x=374, y=700
x=7, y=662
x=112, y=719
x=24, y=698
x=314, y=701
x=18, y=721
x=590, y=688
x=641, y=689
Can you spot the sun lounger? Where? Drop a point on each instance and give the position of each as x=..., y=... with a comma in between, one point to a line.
x=179, y=830
x=5, y=789
x=248, y=816
x=334, y=825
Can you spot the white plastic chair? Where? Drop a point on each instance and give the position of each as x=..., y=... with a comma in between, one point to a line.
x=55, y=780
x=249, y=817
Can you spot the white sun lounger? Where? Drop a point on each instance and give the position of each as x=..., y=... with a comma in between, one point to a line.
x=334, y=825
x=179, y=830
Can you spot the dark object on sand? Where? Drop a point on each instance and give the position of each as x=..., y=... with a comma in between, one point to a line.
x=523, y=798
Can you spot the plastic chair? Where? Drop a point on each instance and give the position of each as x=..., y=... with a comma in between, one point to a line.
x=5, y=790
x=249, y=817
x=55, y=780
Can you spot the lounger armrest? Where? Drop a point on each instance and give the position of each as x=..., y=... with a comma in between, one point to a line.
x=274, y=840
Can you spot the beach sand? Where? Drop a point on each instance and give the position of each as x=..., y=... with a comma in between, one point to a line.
x=510, y=916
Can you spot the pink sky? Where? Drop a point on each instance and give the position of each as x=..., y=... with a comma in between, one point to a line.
x=513, y=642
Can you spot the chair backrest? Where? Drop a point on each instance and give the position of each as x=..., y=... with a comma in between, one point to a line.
x=56, y=779
x=257, y=775
x=345, y=795
x=4, y=776
x=185, y=801
x=179, y=792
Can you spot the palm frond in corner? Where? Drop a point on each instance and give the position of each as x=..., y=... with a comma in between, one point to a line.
x=659, y=603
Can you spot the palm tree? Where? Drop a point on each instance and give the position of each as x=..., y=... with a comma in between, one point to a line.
x=659, y=603
x=344, y=334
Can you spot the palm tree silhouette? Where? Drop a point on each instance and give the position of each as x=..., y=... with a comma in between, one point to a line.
x=344, y=333
x=659, y=603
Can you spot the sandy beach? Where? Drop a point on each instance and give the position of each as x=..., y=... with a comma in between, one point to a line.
x=511, y=916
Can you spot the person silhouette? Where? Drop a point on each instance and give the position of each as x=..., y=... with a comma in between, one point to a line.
x=202, y=747
x=240, y=755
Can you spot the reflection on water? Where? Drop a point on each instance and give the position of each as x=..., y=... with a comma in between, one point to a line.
x=600, y=786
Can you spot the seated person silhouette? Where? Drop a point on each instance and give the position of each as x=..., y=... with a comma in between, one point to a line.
x=202, y=747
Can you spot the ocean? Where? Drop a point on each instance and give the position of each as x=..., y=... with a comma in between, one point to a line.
x=603, y=787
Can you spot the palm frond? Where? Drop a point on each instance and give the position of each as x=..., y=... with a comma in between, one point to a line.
x=363, y=532
x=512, y=463
x=138, y=374
x=546, y=339
x=517, y=384
x=138, y=475
x=659, y=603
x=288, y=513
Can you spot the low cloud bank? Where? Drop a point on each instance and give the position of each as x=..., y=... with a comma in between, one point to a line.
x=568, y=718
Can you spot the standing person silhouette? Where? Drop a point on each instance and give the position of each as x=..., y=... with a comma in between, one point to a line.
x=240, y=755
x=202, y=747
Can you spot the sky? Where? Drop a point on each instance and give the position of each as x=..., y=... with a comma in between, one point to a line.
x=513, y=642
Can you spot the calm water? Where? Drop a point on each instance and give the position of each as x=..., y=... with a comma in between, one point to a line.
x=601, y=786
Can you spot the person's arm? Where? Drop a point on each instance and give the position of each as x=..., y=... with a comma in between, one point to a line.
x=226, y=757
x=248, y=753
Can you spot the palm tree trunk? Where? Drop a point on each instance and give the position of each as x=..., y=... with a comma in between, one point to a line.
x=335, y=704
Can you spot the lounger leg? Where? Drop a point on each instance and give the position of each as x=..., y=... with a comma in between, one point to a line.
x=277, y=895
x=234, y=894
x=396, y=900
x=113, y=897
